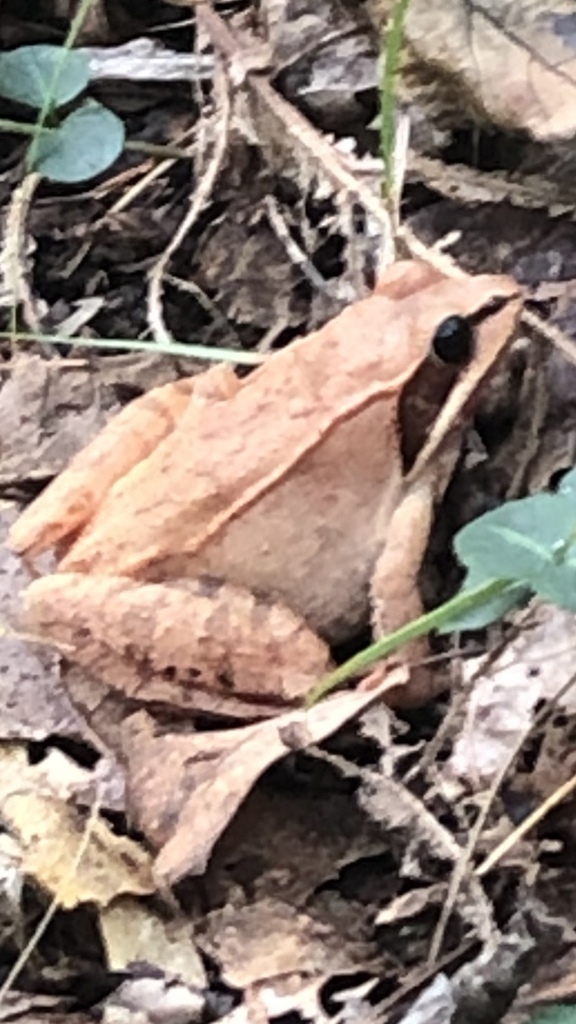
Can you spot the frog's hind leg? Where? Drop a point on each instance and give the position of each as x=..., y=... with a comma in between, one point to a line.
x=61, y=511
x=198, y=645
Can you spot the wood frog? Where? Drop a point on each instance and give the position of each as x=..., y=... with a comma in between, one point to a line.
x=301, y=497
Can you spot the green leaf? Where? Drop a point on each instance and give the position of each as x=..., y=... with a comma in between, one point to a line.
x=30, y=73
x=488, y=610
x=530, y=541
x=523, y=547
x=560, y=1013
x=85, y=144
x=568, y=485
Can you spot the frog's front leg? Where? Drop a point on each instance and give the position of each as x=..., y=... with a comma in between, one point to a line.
x=56, y=517
x=198, y=645
x=395, y=594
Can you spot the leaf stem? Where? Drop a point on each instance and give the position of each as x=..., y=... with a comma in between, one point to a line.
x=392, y=48
x=23, y=128
x=459, y=605
x=75, y=26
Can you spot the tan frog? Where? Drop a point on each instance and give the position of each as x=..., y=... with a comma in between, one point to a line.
x=311, y=484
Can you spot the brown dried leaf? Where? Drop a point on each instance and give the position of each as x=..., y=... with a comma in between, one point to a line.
x=33, y=703
x=511, y=61
x=184, y=789
x=533, y=667
x=51, y=409
x=296, y=946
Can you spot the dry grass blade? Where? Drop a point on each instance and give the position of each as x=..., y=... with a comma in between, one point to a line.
x=15, y=291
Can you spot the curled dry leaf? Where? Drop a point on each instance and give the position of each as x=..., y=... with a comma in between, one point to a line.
x=512, y=62
x=184, y=789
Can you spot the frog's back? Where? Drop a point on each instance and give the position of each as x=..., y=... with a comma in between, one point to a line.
x=313, y=540
x=227, y=457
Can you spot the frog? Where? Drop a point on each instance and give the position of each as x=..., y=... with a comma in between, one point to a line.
x=299, y=499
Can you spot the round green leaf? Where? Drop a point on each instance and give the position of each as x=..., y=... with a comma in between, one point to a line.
x=85, y=144
x=568, y=484
x=33, y=74
x=531, y=541
x=559, y=1013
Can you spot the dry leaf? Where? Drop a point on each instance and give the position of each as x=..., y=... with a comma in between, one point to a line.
x=184, y=789
x=47, y=414
x=52, y=837
x=295, y=945
x=531, y=668
x=135, y=931
x=33, y=703
x=512, y=62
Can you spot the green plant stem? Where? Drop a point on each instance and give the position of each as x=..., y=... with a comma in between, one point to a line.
x=457, y=606
x=22, y=128
x=392, y=48
x=75, y=26
x=175, y=348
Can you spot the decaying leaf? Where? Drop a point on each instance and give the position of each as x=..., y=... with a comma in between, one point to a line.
x=135, y=931
x=533, y=667
x=33, y=702
x=296, y=946
x=511, y=62
x=73, y=866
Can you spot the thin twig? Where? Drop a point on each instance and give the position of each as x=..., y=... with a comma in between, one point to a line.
x=199, y=199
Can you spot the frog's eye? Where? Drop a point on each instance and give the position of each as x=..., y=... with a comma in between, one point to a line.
x=453, y=341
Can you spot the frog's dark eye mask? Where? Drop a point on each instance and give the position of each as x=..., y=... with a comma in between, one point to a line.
x=454, y=339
